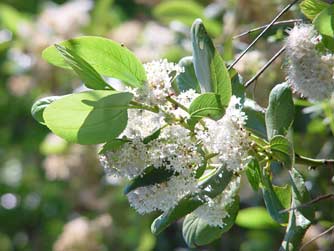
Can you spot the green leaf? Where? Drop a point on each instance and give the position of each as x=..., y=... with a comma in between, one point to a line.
x=197, y=232
x=282, y=150
x=211, y=187
x=238, y=88
x=187, y=79
x=301, y=218
x=255, y=119
x=274, y=203
x=85, y=71
x=90, y=117
x=324, y=23
x=105, y=56
x=153, y=136
x=280, y=111
x=112, y=145
x=207, y=105
x=39, y=106
x=210, y=68
x=311, y=8
x=11, y=18
x=149, y=176
x=255, y=218
x=253, y=173
x=185, y=12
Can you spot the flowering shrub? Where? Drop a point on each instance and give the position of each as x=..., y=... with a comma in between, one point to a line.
x=184, y=134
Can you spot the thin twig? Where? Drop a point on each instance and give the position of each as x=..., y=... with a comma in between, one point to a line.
x=311, y=202
x=264, y=26
x=261, y=34
x=317, y=237
x=259, y=73
x=313, y=162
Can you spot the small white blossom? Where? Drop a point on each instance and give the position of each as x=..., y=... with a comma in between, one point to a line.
x=310, y=73
x=160, y=75
x=213, y=212
x=162, y=196
x=128, y=161
x=227, y=137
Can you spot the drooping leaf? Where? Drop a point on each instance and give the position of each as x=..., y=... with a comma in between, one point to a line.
x=197, y=232
x=211, y=187
x=90, y=117
x=187, y=79
x=185, y=12
x=282, y=150
x=255, y=218
x=273, y=202
x=238, y=88
x=105, y=56
x=91, y=78
x=301, y=218
x=39, y=106
x=149, y=176
x=210, y=68
x=311, y=8
x=253, y=173
x=324, y=23
x=207, y=105
x=280, y=111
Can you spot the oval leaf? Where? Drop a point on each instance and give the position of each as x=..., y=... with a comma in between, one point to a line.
x=197, y=232
x=210, y=68
x=187, y=80
x=39, y=106
x=91, y=78
x=280, y=112
x=282, y=150
x=90, y=117
x=207, y=105
x=105, y=56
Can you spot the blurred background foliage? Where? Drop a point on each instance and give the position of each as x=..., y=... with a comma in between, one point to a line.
x=55, y=196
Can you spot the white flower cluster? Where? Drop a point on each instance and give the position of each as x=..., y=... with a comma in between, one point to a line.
x=177, y=148
x=214, y=211
x=310, y=72
x=160, y=75
x=227, y=137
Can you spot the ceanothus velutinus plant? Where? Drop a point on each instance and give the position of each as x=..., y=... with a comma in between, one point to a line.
x=183, y=134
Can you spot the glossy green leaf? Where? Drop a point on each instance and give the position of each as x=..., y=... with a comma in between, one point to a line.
x=211, y=187
x=39, y=106
x=153, y=136
x=187, y=80
x=280, y=111
x=210, y=68
x=207, y=105
x=90, y=117
x=238, y=88
x=324, y=23
x=149, y=176
x=197, y=232
x=186, y=12
x=282, y=150
x=301, y=218
x=91, y=78
x=253, y=173
x=311, y=8
x=274, y=203
x=255, y=218
x=105, y=56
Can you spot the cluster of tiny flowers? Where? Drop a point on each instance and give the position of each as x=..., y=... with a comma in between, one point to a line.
x=227, y=137
x=160, y=75
x=214, y=212
x=176, y=148
x=310, y=72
